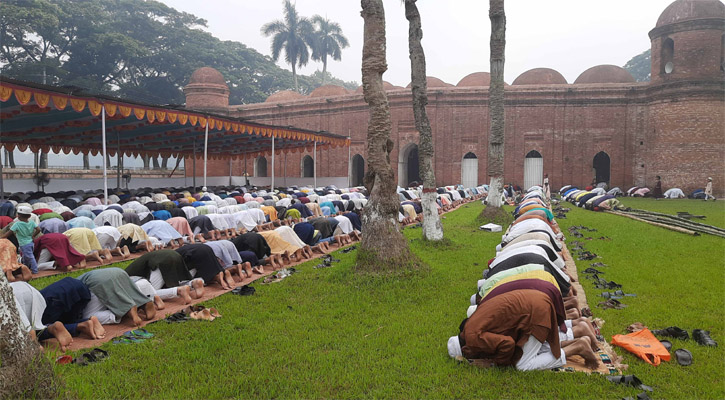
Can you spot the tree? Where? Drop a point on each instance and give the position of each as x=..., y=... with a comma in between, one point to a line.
x=640, y=66
x=496, y=114
x=328, y=41
x=432, y=227
x=293, y=35
x=383, y=246
x=25, y=371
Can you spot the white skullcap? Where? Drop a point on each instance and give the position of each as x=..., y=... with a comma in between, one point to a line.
x=203, y=189
x=454, y=347
x=470, y=311
x=145, y=287
x=480, y=283
x=473, y=299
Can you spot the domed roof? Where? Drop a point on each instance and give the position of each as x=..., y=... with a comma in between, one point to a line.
x=476, y=79
x=283, y=95
x=432, y=81
x=386, y=86
x=329, y=90
x=605, y=74
x=540, y=76
x=207, y=75
x=686, y=10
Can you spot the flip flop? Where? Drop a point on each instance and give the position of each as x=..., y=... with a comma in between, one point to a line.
x=177, y=317
x=64, y=359
x=629, y=380
x=683, y=357
x=641, y=396
x=139, y=333
x=99, y=354
x=667, y=344
x=214, y=312
x=128, y=340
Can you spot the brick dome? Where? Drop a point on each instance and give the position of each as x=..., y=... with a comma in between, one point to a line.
x=605, y=74
x=283, y=95
x=476, y=79
x=207, y=75
x=386, y=86
x=328, y=91
x=687, y=10
x=432, y=81
x=540, y=76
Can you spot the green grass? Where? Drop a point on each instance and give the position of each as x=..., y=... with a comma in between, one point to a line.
x=713, y=210
x=333, y=333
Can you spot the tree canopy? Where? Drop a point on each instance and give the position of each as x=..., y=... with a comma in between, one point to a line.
x=137, y=49
x=640, y=66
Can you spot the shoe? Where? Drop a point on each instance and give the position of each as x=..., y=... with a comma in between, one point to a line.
x=667, y=344
x=672, y=331
x=703, y=338
x=683, y=357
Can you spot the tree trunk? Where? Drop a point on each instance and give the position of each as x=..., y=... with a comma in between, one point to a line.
x=86, y=162
x=43, y=160
x=146, y=161
x=294, y=75
x=24, y=370
x=383, y=247
x=324, y=69
x=432, y=227
x=496, y=115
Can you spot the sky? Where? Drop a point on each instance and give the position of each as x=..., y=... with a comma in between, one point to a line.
x=569, y=36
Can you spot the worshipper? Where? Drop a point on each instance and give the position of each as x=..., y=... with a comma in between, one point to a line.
x=53, y=225
x=65, y=301
x=165, y=233
x=110, y=217
x=286, y=246
x=182, y=226
x=168, y=275
x=202, y=263
x=54, y=251
x=9, y=260
x=114, y=295
x=202, y=225
x=132, y=236
x=519, y=328
x=230, y=259
x=674, y=193
x=547, y=188
x=86, y=243
x=31, y=305
x=81, y=222
x=256, y=243
x=307, y=233
x=110, y=239
x=657, y=192
x=708, y=190
x=23, y=229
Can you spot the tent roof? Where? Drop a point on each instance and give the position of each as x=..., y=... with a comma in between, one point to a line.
x=48, y=118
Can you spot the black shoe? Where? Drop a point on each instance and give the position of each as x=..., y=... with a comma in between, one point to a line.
x=703, y=338
x=672, y=331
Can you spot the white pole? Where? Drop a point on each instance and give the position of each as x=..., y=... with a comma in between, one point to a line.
x=272, y=187
x=349, y=167
x=314, y=165
x=103, y=138
x=206, y=142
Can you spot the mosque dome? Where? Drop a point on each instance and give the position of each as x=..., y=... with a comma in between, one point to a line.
x=282, y=96
x=605, y=74
x=475, y=79
x=432, y=81
x=540, y=76
x=328, y=91
x=386, y=86
x=687, y=10
x=207, y=75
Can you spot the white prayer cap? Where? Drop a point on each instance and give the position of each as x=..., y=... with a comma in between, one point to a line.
x=25, y=210
x=709, y=178
x=203, y=189
x=480, y=283
x=454, y=347
x=473, y=299
x=470, y=311
x=145, y=287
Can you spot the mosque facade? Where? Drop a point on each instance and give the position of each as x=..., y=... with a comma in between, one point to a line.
x=603, y=127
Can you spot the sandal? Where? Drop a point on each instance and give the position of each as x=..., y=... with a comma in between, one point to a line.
x=128, y=340
x=629, y=380
x=683, y=357
x=98, y=354
x=64, y=359
x=139, y=334
x=177, y=317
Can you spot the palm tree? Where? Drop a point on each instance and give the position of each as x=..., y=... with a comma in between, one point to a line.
x=328, y=40
x=293, y=35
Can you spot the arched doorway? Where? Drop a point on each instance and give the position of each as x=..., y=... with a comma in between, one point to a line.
x=601, y=166
x=408, y=167
x=469, y=170
x=308, y=167
x=533, y=169
x=260, y=167
x=358, y=170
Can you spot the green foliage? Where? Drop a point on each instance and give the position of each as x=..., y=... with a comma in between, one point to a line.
x=328, y=40
x=142, y=50
x=640, y=66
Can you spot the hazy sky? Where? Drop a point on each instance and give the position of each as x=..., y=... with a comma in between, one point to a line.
x=567, y=35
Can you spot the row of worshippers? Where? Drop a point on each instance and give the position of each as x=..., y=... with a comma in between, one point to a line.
x=596, y=199
x=635, y=191
x=447, y=198
x=525, y=311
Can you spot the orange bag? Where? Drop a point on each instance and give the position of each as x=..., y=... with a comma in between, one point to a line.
x=644, y=345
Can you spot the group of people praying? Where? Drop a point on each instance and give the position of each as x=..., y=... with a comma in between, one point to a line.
x=525, y=311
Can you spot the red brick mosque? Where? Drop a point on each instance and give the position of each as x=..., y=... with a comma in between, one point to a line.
x=602, y=126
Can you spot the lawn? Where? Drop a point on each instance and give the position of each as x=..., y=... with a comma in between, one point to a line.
x=333, y=333
x=713, y=210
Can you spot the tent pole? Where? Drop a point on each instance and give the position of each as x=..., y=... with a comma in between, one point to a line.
x=193, y=165
x=349, y=166
x=314, y=166
x=2, y=180
x=185, y=171
x=206, y=143
x=230, y=171
x=119, y=160
x=272, y=187
x=105, y=171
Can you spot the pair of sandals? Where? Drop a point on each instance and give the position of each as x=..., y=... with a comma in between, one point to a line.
x=245, y=290
x=92, y=356
x=202, y=313
x=134, y=336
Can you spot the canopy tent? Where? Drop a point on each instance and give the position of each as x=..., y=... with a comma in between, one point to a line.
x=47, y=118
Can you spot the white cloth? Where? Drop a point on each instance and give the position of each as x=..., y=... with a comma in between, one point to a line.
x=244, y=219
x=288, y=235
x=538, y=356
x=30, y=304
x=45, y=261
x=219, y=222
x=226, y=252
x=97, y=309
x=344, y=224
x=569, y=334
x=190, y=212
x=674, y=193
x=454, y=347
x=258, y=215
x=558, y=261
x=527, y=226
x=108, y=236
x=112, y=217
x=161, y=230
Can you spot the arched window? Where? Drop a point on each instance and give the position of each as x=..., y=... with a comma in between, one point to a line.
x=260, y=167
x=667, y=56
x=308, y=167
x=358, y=170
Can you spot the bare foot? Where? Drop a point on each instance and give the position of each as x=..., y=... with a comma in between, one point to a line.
x=185, y=293
x=98, y=329
x=247, y=267
x=230, y=279
x=150, y=310
x=197, y=288
x=95, y=256
x=125, y=252
x=258, y=270
x=107, y=254
x=59, y=332
x=133, y=313
x=160, y=305
x=200, y=237
x=86, y=327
